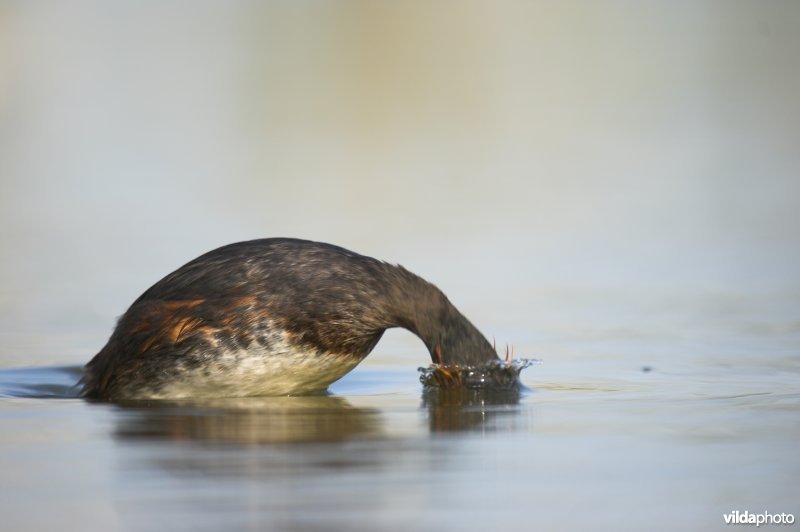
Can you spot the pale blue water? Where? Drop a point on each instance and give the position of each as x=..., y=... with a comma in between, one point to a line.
x=644, y=437
x=611, y=187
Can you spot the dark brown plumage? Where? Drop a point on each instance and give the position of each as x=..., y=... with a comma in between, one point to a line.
x=272, y=317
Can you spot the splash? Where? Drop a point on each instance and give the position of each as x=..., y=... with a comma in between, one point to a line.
x=500, y=375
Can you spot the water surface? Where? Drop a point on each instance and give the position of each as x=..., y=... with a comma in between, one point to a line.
x=586, y=446
x=611, y=187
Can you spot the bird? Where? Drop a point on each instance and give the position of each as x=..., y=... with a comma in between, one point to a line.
x=268, y=317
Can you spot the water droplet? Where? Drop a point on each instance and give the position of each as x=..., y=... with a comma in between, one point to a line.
x=494, y=375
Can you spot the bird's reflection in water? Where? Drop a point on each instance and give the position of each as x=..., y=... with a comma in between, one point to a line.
x=311, y=419
x=255, y=420
x=300, y=437
x=466, y=409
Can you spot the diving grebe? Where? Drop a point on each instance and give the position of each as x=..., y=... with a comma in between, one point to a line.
x=275, y=316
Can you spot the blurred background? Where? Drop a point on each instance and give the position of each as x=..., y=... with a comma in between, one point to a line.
x=540, y=161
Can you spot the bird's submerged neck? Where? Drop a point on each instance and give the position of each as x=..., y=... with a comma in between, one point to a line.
x=423, y=309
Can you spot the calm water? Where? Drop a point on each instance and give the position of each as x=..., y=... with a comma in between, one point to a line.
x=623, y=429
x=610, y=187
